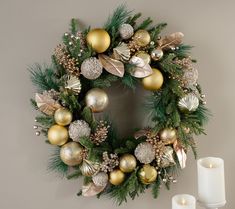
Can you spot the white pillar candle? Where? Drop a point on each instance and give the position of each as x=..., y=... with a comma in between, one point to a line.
x=183, y=201
x=211, y=187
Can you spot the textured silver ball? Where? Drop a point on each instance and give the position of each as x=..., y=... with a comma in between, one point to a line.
x=188, y=103
x=91, y=68
x=126, y=31
x=78, y=129
x=145, y=153
x=100, y=179
x=189, y=77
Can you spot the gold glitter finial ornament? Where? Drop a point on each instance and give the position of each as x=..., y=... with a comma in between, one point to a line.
x=154, y=81
x=98, y=39
x=58, y=135
x=147, y=174
x=142, y=38
x=127, y=163
x=116, y=177
x=63, y=116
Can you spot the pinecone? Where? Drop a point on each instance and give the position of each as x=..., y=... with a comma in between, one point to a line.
x=100, y=134
x=110, y=161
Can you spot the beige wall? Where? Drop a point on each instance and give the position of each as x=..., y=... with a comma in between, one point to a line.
x=29, y=31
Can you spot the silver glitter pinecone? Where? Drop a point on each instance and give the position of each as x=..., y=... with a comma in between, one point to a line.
x=91, y=68
x=78, y=129
x=100, y=179
x=126, y=31
x=145, y=153
x=188, y=103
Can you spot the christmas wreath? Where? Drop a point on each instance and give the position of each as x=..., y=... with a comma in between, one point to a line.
x=72, y=90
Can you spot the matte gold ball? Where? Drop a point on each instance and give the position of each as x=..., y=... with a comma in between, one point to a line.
x=58, y=135
x=63, y=116
x=144, y=56
x=147, y=174
x=127, y=163
x=99, y=40
x=142, y=37
x=116, y=177
x=154, y=81
x=168, y=135
x=71, y=153
x=97, y=100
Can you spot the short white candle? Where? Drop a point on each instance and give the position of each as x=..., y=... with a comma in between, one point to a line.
x=183, y=201
x=211, y=187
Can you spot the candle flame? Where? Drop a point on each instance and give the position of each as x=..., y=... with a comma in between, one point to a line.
x=183, y=202
x=210, y=165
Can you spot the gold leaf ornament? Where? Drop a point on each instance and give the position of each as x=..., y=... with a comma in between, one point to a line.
x=181, y=154
x=111, y=65
x=46, y=103
x=171, y=41
x=91, y=189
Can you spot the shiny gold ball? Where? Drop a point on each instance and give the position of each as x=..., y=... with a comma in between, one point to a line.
x=63, y=116
x=99, y=40
x=71, y=153
x=147, y=174
x=144, y=56
x=127, y=163
x=157, y=54
x=168, y=135
x=154, y=81
x=97, y=100
x=116, y=177
x=142, y=37
x=58, y=135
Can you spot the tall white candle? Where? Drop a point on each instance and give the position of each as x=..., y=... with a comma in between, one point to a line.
x=211, y=187
x=183, y=201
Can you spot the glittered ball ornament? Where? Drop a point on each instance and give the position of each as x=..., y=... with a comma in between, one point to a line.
x=116, y=177
x=142, y=38
x=190, y=77
x=57, y=135
x=127, y=163
x=188, y=103
x=145, y=153
x=147, y=174
x=157, y=54
x=98, y=39
x=97, y=99
x=63, y=116
x=168, y=135
x=91, y=68
x=78, y=129
x=71, y=153
x=126, y=31
x=100, y=179
x=154, y=81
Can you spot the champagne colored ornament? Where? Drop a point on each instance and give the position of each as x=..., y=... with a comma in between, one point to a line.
x=73, y=83
x=157, y=54
x=100, y=179
x=141, y=70
x=91, y=68
x=188, y=103
x=154, y=81
x=78, y=129
x=89, y=168
x=99, y=40
x=142, y=38
x=168, y=135
x=63, y=116
x=181, y=154
x=147, y=174
x=189, y=77
x=97, y=99
x=144, y=56
x=126, y=31
x=116, y=177
x=122, y=52
x=91, y=189
x=145, y=153
x=127, y=163
x=171, y=41
x=58, y=135
x=71, y=153
x=167, y=158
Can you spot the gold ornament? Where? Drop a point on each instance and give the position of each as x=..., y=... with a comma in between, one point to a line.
x=89, y=168
x=127, y=163
x=99, y=40
x=157, y=54
x=71, y=153
x=97, y=99
x=144, y=56
x=63, y=116
x=147, y=174
x=167, y=158
x=116, y=177
x=154, y=81
x=142, y=38
x=73, y=83
x=188, y=103
x=168, y=135
x=58, y=135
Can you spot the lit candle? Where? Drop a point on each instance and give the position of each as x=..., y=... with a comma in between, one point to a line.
x=183, y=201
x=211, y=187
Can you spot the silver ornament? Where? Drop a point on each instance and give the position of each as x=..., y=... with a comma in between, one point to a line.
x=73, y=83
x=145, y=153
x=100, y=179
x=126, y=31
x=190, y=76
x=122, y=52
x=157, y=54
x=167, y=158
x=37, y=133
x=188, y=103
x=91, y=68
x=78, y=129
x=89, y=168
